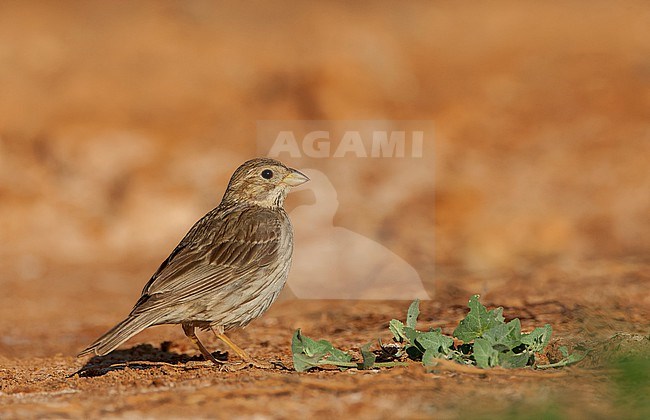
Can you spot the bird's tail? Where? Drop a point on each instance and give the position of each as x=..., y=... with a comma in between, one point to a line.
x=118, y=335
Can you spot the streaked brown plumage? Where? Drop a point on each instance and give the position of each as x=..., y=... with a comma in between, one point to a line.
x=228, y=269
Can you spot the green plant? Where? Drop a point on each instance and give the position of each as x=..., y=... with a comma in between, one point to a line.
x=487, y=341
x=308, y=353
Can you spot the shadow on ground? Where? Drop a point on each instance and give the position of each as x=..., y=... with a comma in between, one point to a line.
x=140, y=357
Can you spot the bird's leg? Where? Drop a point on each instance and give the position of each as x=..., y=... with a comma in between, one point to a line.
x=248, y=361
x=189, y=332
x=240, y=352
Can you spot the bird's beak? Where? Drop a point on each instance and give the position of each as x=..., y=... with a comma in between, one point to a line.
x=295, y=178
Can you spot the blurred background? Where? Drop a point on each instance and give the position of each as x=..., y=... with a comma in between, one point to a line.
x=120, y=124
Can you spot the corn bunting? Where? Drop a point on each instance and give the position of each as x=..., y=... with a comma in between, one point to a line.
x=227, y=270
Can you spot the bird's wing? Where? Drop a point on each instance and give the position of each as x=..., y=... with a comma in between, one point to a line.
x=216, y=252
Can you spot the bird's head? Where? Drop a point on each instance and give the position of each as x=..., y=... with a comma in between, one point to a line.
x=262, y=181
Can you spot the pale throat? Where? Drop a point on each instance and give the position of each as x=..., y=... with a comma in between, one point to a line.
x=270, y=199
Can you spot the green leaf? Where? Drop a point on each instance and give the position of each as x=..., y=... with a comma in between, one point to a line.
x=411, y=335
x=413, y=313
x=397, y=328
x=504, y=337
x=478, y=321
x=410, y=347
x=336, y=355
x=434, y=343
x=400, y=331
x=368, y=357
x=564, y=350
x=538, y=339
x=305, y=356
x=308, y=353
x=570, y=360
x=484, y=354
x=429, y=357
x=513, y=360
x=459, y=357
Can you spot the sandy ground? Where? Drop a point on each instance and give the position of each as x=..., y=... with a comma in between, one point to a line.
x=159, y=373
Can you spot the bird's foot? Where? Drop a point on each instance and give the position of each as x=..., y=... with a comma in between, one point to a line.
x=226, y=367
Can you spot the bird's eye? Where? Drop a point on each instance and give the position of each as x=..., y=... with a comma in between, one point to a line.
x=267, y=174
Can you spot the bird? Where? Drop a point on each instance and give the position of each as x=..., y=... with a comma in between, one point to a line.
x=227, y=270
